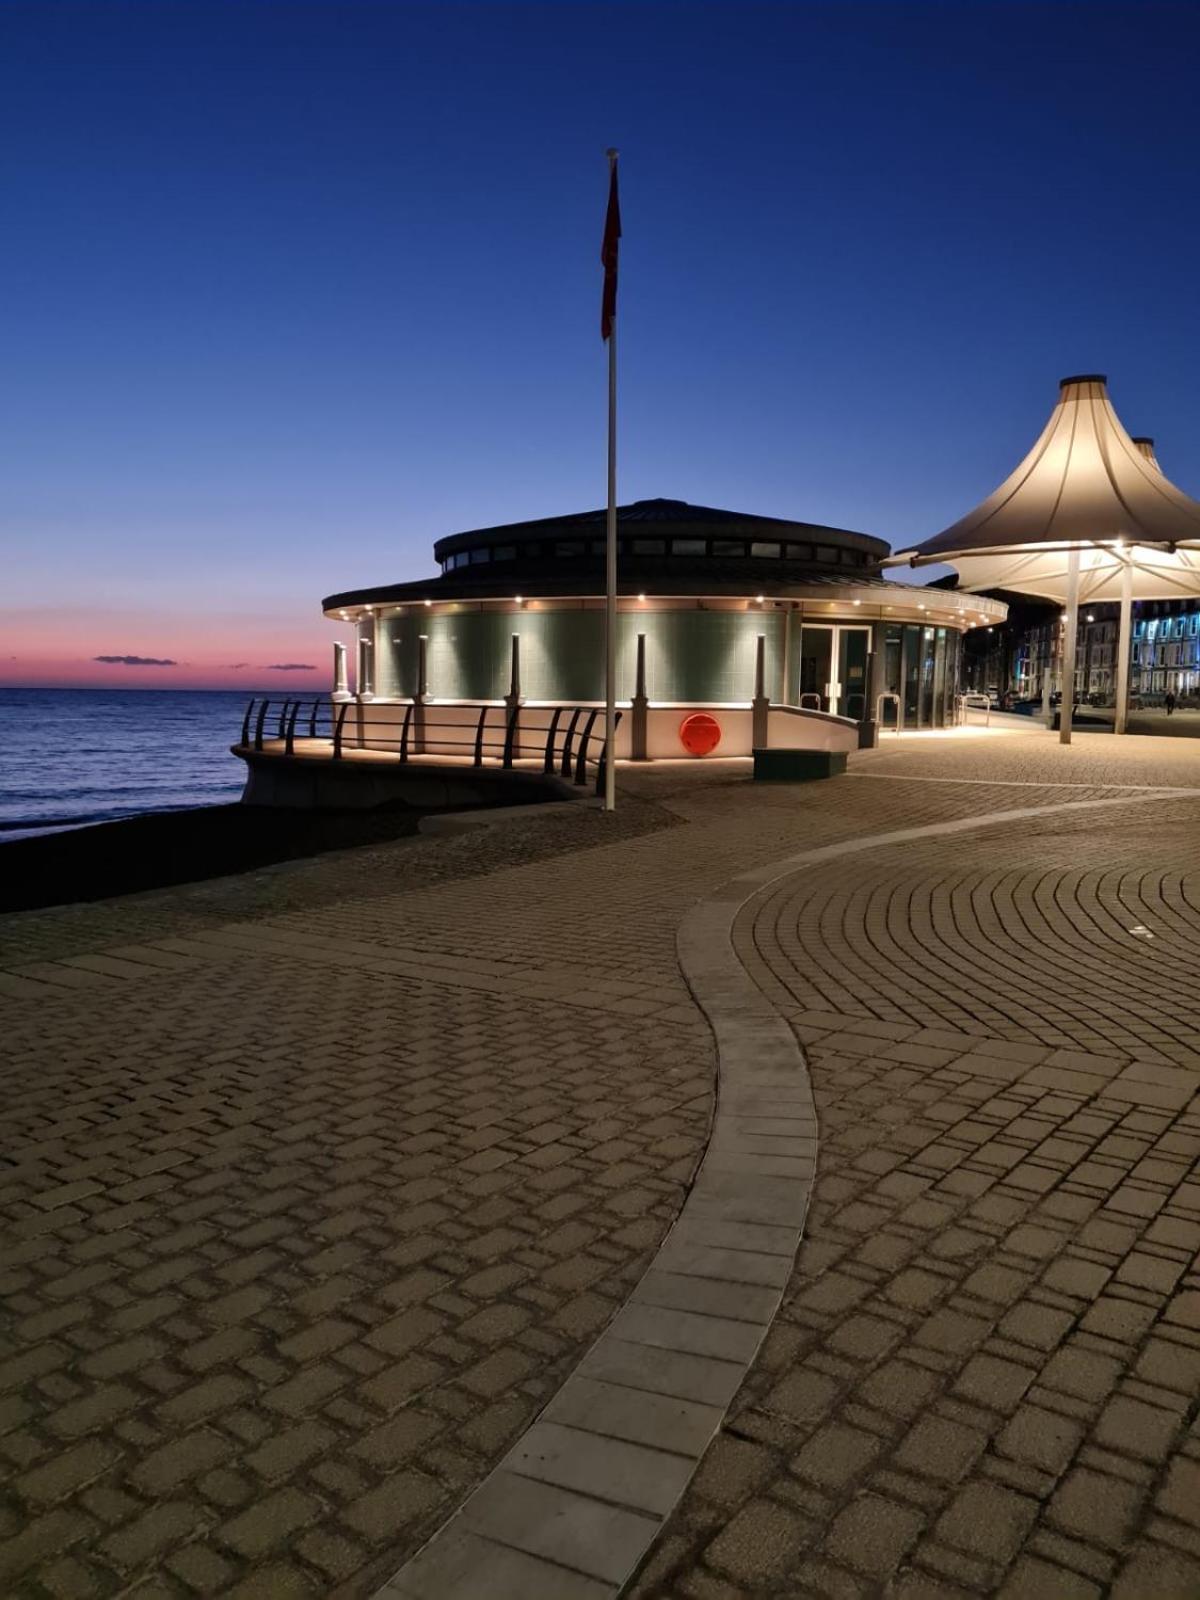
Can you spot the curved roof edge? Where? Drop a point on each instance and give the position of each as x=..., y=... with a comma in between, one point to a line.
x=712, y=581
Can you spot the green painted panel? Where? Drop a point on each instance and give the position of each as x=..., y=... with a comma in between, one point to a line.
x=690, y=655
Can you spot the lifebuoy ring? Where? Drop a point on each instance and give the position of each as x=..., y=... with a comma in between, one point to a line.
x=699, y=734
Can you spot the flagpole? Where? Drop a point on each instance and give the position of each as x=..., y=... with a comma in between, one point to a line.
x=610, y=591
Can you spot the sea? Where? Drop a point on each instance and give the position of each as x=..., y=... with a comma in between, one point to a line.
x=69, y=757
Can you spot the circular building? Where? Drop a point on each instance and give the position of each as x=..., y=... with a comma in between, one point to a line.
x=717, y=610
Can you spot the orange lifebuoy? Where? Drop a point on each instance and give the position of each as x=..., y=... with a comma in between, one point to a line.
x=699, y=734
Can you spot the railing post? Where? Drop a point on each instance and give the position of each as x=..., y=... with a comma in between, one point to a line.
x=289, y=748
x=408, y=711
x=510, y=735
x=760, y=706
x=567, y=742
x=337, y=729
x=479, y=736
x=246, y=723
x=283, y=719
x=258, y=726
x=581, y=764
x=548, y=766
x=312, y=721
x=640, y=705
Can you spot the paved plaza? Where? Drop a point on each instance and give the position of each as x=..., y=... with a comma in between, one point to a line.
x=422, y=1220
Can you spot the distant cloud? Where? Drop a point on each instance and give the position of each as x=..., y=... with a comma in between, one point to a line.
x=135, y=661
x=237, y=666
x=290, y=666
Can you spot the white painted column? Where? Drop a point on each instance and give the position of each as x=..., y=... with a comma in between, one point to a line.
x=341, y=686
x=362, y=679
x=1067, y=703
x=1124, y=648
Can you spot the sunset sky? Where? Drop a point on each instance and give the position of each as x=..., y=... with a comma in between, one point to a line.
x=291, y=290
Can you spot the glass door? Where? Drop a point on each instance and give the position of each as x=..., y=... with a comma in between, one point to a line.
x=853, y=655
x=834, y=661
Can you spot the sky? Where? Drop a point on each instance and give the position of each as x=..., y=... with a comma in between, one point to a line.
x=289, y=291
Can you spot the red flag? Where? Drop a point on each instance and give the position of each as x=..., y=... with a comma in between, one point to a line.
x=608, y=254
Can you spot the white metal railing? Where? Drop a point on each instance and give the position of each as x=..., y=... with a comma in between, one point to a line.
x=889, y=694
x=973, y=701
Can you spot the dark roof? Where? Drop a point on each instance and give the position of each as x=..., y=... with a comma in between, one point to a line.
x=677, y=516
x=780, y=580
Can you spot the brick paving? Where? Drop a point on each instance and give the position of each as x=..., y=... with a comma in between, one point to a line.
x=985, y=1374
x=317, y=1184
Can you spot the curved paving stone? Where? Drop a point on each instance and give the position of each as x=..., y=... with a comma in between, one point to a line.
x=612, y=1453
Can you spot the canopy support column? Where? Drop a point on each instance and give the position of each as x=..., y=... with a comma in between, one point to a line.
x=1067, y=703
x=1124, y=649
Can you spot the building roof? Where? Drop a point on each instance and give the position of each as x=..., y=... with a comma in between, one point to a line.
x=661, y=576
x=668, y=546
x=659, y=516
x=1084, y=485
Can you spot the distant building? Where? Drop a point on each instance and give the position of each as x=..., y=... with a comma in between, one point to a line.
x=1016, y=656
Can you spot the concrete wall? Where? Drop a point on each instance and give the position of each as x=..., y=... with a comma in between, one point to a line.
x=446, y=728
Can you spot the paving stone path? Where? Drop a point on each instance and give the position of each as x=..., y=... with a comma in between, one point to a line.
x=318, y=1185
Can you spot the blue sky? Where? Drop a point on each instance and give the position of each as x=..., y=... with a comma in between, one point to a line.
x=291, y=290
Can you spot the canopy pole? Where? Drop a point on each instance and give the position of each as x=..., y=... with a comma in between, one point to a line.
x=1124, y=648
x=1067, y=703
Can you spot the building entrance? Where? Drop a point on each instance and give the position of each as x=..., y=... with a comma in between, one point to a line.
x=833, y=667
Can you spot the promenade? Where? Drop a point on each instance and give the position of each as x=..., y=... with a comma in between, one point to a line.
x=319, y=1186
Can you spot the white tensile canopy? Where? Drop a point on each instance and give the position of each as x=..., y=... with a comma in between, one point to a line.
x=1087, y=516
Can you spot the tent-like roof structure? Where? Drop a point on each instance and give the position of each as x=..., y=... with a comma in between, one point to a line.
x=1085, y=487
x=1146, y=446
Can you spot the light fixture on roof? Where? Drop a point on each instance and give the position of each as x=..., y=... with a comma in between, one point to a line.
x=429, y=602
x=758, y=599
x=856, y=602
x=920, y=608
x=520, y=599
x=1091, y=617
x=641, y=597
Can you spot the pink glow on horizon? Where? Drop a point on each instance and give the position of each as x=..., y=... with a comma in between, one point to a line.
x=55, y=648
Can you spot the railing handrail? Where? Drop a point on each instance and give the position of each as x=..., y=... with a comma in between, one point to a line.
x=571, y=752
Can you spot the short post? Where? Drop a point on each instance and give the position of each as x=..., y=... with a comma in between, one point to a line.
x=422, y=694
x=341, y=684
x=760, y=706
x=868, y=728
x=639, y=706
x=512, y=700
